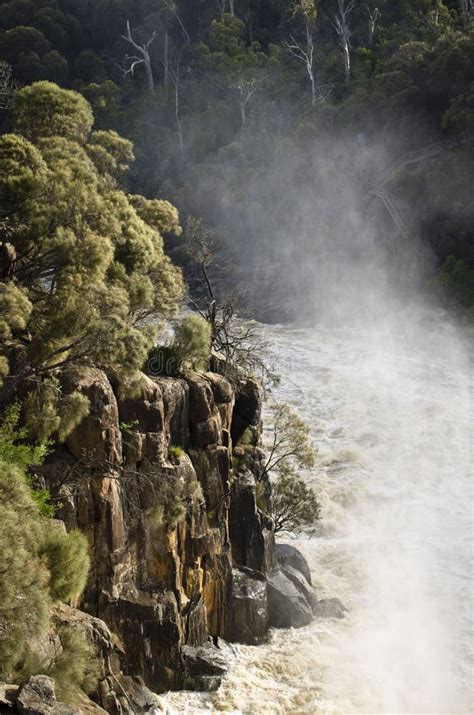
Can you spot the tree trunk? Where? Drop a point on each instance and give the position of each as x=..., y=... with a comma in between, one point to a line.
x=166, y=62
x=149, y=76
x=347, y=61
x=243, y=113
x=176, y=111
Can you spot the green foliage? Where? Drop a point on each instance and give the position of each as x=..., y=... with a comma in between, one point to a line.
x=15, y=450
x=67, y=559
x=175, y=452
x=39, y=563
x=24, y=594
x=294, y=506
x=95, y=280
x=44, y=110
x=288, y=440
x=76, y=665
x=189, y=350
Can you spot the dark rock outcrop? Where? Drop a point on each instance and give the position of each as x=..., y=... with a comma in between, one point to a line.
x=37, y=697
x=288, y=555
x=248, y=616
x=330, y=608
x=205, y=666
x=287, y=605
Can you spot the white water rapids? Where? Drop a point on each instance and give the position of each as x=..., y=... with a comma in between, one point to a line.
x=390, y=411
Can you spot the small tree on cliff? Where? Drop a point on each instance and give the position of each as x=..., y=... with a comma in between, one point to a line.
x=288, y=441
x=293, y=504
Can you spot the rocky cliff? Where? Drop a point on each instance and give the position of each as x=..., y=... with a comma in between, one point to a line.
x=163, y=484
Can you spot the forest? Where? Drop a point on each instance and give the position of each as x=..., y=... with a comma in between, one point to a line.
x=219, y=97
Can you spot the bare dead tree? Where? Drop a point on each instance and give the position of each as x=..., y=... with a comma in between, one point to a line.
x=8, y=85
x=342, y=27
x=172, y=68
x=142, y=58
x=467, y=11
x=240, y=341
x=304, y=53
x=374, y=16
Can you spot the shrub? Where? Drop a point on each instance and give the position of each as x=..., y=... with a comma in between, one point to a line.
x=190, y=349
x=175, y=452
x=75, y=666
x=67, y=559
x=294, y=505
x=24, y=594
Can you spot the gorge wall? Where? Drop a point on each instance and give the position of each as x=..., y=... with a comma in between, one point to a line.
x=164, y=488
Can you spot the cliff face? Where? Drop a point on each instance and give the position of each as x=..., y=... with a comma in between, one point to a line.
x=179, y=549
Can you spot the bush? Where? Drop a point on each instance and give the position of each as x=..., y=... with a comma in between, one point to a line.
x=75, y=666
x=175, y=452
x=67, y=559
x=24, y=594
x=294, y=505
x=190, y=349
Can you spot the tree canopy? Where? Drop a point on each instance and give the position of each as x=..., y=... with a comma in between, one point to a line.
x=85, y=278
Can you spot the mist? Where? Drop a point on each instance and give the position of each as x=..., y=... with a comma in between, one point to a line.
x=381, y=370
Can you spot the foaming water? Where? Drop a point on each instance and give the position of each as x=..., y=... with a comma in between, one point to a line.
x=391, y=414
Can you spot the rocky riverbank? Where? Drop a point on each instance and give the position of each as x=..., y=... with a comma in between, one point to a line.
x=164, y=486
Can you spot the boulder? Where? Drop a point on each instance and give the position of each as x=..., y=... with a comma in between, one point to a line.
x=288, y=555
x=287, y=606
x=205, y=666
x=248, y=614
x=36, y=696
x=331, y=608
x=299, y=581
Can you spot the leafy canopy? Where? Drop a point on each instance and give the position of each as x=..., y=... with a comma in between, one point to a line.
x=84, y=277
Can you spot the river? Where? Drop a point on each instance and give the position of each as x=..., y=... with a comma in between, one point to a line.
x=390, y=410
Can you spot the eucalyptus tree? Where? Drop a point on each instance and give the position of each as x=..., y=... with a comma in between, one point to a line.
x=302, y=48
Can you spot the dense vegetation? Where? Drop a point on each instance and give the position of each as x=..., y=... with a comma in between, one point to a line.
x=227, y=103
x=248, y=114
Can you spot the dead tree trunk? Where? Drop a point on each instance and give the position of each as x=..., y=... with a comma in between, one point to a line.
x=341, y=25
x=373, y=19
x=143, y=57
x=305, y=54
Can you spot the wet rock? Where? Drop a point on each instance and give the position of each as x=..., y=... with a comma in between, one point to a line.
x=287, y=606
x=205, y=666
x=331, y=608
x=288, y=555
x=248, y=615
x=299, y=581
